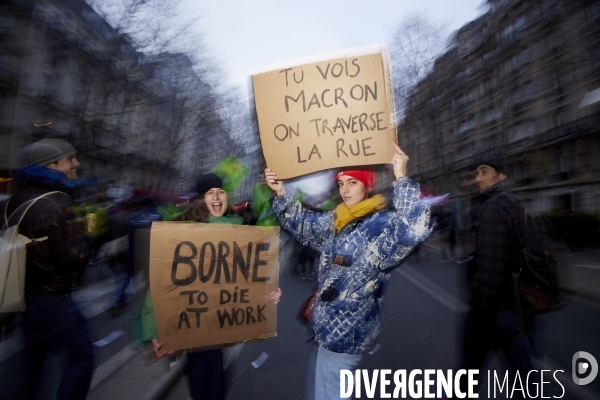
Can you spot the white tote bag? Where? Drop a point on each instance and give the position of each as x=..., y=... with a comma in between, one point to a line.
x=13, y=259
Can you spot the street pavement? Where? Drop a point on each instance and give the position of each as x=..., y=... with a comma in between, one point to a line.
x=424, y=306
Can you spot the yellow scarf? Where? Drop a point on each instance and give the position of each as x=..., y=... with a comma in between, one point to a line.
x=344, y=215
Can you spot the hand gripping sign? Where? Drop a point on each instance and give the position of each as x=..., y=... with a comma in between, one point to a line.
x=210, y=283
x=326, y=112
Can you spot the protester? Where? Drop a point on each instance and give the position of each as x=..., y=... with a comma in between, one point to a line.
x=205, y=367
x=52, y=321
x=493, y=321
x=360, y=243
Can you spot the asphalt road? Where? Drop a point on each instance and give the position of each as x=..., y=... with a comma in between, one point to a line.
x=423, y=309
x=422, y=312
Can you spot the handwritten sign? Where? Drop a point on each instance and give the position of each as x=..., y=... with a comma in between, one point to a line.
x=210, y=283
x=326, y=114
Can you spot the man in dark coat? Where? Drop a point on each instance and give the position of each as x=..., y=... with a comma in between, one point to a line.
x=52, y=321
x=493, y=321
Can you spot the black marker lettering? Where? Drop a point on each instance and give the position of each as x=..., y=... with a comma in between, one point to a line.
x=340, y=147
x=205, y=277
x=357, y=68
x=324, y=75
x=258, y=262
x=179, y=259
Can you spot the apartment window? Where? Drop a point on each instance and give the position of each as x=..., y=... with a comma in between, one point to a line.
x=465, y=98
x=492, y=116
x=49, y=85
x=466, y=125
x=524, y=56
x=516, y=61
x=527, y=91
x=564, y=159
x=507, y=33
x=469, y=68
x=511, y=64
x=466, y=151
x=522, y=130
x=516, y=96
x=522, y=93
x=485, y=87
x=470, y=95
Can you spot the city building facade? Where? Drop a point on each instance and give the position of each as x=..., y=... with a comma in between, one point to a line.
x=138, y=121
x=520, y=83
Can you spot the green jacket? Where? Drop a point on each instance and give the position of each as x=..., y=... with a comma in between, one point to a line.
x=149, y=330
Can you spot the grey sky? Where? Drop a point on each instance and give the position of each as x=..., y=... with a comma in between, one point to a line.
x=249, y=35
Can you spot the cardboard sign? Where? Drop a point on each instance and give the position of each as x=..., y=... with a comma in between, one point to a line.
x=327, y=114
x=210, y=283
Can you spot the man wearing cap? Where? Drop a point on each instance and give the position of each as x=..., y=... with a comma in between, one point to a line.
x=493, y=321
x=52, y=321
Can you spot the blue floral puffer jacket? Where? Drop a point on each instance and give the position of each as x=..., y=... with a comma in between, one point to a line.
x=346, y=316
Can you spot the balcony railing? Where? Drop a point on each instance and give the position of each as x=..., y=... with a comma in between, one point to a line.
x=575, y=127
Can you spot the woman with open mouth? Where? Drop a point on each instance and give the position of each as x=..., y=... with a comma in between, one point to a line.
x=205, y=367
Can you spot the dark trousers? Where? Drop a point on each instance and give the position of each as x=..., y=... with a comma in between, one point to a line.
x=205, y=370
x=55, y=323
x=481, y=338
x=120, y=296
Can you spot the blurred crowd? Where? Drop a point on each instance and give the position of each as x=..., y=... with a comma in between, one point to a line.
x=108, y=235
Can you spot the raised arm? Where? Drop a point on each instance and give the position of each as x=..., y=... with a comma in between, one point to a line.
x=399, y=161
x=409, y=222
x=275, y=184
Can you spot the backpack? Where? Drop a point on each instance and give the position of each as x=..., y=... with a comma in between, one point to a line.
x=536, y=267
x=13, y=259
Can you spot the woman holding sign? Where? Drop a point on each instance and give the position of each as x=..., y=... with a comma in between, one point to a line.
x=205, y=368
x=360, y=243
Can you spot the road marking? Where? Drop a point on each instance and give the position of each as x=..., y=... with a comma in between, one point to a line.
x=433, y=289
x=587, y=266
x=374, y=350
x=260, y=360
x=109, y=338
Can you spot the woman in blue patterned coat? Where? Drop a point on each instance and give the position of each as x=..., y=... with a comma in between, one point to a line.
x=360, y=243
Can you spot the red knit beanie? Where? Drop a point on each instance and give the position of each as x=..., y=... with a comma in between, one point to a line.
x=366, y=177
